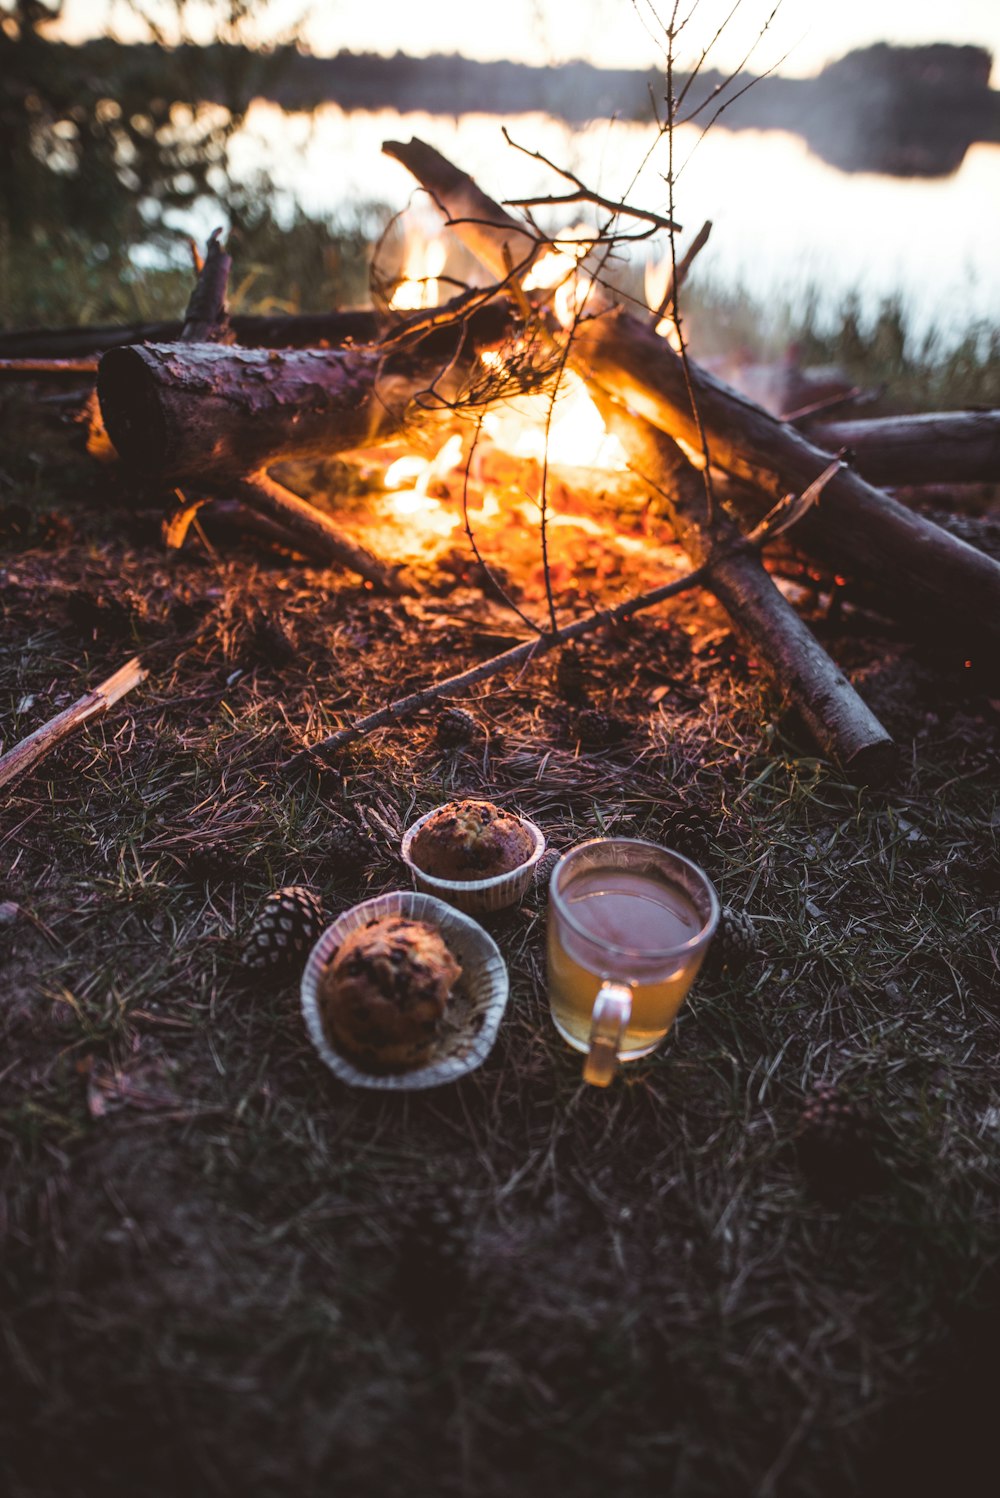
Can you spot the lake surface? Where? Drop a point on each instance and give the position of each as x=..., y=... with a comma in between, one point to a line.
x=785, y=223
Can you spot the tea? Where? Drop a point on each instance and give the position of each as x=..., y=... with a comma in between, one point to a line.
x=622, y=925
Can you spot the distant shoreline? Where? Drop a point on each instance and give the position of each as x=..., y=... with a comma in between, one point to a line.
x=904, y=111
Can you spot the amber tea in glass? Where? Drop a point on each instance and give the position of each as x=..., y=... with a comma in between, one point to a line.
x=629, y=926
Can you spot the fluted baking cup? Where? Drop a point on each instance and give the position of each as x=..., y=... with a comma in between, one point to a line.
x=475, y=1008
x=476, y=896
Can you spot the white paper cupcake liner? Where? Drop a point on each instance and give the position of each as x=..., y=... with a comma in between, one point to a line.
x=476, y=896
x=474, y=1010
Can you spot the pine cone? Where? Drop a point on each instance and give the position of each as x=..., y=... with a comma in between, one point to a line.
x=833, y=1143
x=543, y=872
x=270, y=642
x=210, y=858
x=455, y=727
x=571, y=677
x=689, y=831
x=351, y=846
x=433, y=1252
x=284, y=929
x=735, y=945
x=598, y=729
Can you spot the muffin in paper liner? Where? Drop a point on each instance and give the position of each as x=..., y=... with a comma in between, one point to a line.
x=476, y=896
x=474, y=1011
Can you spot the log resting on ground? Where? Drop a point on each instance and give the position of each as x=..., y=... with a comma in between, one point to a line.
x=836, y=716
x=831, y=708
x=856, y=525
x=940, y=447
x=198, y=412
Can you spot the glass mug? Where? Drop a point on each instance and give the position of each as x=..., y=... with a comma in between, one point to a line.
x=629, y=926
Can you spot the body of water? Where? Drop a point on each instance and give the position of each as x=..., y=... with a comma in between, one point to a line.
x=785, y=223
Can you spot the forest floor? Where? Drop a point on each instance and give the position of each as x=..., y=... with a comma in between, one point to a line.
x=217, y=1269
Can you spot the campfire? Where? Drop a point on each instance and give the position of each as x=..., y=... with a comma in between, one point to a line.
x=538, y=419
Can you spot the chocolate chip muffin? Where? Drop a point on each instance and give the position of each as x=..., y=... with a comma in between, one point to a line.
x=384, y=994
x=471, y=840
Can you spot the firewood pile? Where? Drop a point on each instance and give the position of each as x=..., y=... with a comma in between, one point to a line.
x=204, y=417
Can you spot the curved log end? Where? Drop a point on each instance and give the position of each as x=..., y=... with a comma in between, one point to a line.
x=132, y=417
x=873, y=765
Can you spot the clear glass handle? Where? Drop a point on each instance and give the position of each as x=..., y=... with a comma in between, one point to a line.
x=612, y=1012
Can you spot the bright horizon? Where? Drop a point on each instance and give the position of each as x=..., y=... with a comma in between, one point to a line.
x=801, y=38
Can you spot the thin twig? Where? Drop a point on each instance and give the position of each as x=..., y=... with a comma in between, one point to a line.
x=684, y=266
x=48, y=366
x=583, y=192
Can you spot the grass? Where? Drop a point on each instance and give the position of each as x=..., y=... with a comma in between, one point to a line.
x=212, y=1276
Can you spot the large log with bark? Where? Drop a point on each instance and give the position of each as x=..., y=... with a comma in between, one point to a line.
x=205, y=411
x=189, y=410
x=940, y=447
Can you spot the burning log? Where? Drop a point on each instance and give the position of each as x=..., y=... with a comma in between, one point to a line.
x=793, y=658
x=857, y=525
x=206, y=411
x=189, y=411
x=944, y=447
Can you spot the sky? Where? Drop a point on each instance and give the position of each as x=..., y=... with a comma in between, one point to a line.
x=803, y=35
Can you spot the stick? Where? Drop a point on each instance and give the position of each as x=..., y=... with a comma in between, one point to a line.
x=207, y=317
x=696, y=246
x=92, y=704
x=315, y=534
x=48, y=367
x=791, y=656
x=518, y=655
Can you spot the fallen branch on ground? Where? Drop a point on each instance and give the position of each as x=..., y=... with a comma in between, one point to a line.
x=26, y=754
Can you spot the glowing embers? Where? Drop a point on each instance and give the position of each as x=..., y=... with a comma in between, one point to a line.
x=570, y=430
x=411, y=477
